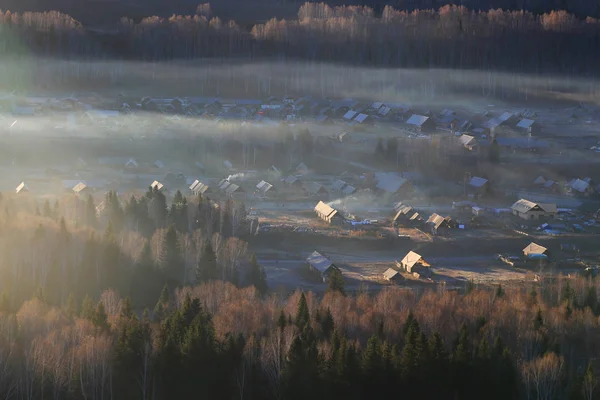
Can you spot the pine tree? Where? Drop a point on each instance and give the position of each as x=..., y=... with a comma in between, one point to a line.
x=257, y=276
x=207, y=269
x=336, y=282
x=302, y=313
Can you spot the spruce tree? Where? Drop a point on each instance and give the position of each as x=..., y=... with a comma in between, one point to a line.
x=302, y=313
x=100, y=319
x=336, y=282
x=161, y=304
x=207, y=268
x=127, y=309
x=281, y=321
x=171, y=261
x=327, y=323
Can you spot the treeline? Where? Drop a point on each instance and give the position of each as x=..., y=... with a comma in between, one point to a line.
x=75, y=247
x=450, y=37
x=221, y=342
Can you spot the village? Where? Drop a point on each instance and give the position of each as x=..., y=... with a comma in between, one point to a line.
x=387, y=193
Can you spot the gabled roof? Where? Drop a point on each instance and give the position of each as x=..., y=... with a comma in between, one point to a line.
x=290, y=180
x=390, y=274
x=360, y=118
x=534, y=248
x=302, y=167
x=447, y=112
x=195, y=184
x=390, y=183
x=79, y=187
x=157, y=185
x=22, y=188
x=348, y=190
x=417, y=120
x=539, y=180
x=477, y=182
x=467, y=140
x=579, y=185
x=349, y=115
x=548, y=184
x=436, y=220
x=233, y=188
x=264, y=186
x=319, y=262
x=403, y=211
x=338, y=184
x=416, y=217
x=525, y=123
x=223, y=184
x=325, y=210
x=411, y=259
x=313, y=187
x=524, y=206
x=198, y=187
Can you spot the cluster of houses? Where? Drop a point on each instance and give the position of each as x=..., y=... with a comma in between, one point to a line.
x=412, y=264
x=577, y=187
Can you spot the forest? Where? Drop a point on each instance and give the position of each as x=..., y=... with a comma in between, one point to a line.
x=449, y=37
x=139, y=299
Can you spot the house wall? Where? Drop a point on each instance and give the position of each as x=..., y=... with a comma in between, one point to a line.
x=533, y=215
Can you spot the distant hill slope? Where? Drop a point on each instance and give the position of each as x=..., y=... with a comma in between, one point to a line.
x=102, y=12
